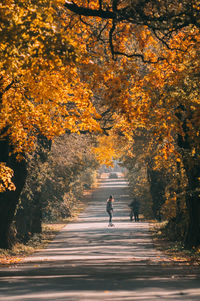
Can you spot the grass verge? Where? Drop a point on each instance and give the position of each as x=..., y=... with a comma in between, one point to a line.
x=38, y=241
x=174, y=250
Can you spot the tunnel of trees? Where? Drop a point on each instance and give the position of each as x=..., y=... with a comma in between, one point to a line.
x=82, y=82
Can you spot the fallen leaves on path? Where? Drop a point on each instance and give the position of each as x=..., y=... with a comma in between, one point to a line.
x=174, y=251
x=20, y=250
x=9, y=260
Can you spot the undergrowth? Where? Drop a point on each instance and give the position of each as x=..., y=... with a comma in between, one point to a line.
x=174, y=249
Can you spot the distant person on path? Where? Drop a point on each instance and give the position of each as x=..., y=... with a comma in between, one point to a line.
x=109, y=209
x=135, y=207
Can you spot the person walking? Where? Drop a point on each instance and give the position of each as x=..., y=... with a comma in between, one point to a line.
x=109, y=209
x=135, y=206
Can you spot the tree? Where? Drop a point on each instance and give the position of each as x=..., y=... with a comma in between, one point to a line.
x=55, y=185
x=130, y=19
x=168, y=107
x=164, y=99
x=130, y=95
x=40, y=91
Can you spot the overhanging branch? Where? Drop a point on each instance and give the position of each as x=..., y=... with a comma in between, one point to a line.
x=104, y=14
x=165, y=17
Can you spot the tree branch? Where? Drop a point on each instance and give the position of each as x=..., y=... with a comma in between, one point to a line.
x=158, y=16
x=104, y=14
x=137, y=13
x=5, y=90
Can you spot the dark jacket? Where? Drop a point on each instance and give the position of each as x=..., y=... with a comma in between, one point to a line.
x=135, y=206
x=109, y=205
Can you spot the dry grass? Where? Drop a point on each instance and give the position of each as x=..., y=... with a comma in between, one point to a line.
x=38, y=241
x=174, y=250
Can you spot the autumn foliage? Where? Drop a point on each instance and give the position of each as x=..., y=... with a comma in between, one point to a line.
x=126, y=71
x=41, y=91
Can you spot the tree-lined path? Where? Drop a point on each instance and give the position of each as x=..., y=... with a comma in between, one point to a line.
x=90, y=261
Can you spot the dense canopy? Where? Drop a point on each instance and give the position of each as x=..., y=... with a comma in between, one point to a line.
x=127, y=72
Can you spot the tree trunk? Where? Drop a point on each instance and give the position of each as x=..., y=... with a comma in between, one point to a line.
x=193, y=204
x=192, y=167
x=37, y=215
x=157, y=190
x=9, y=199
x=193, y=234
x=28, y=219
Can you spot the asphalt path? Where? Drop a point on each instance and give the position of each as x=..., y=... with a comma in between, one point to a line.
x=90, y=261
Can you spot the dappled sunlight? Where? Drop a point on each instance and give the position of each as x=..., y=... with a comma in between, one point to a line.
x=100, y=280
x=113, y=183
x=97, y=240
x=90, y=261
x=91, y=238
x=125, y=295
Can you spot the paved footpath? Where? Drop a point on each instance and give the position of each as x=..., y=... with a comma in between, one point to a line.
x=90, y=261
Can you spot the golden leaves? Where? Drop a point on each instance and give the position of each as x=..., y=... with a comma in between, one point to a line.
x=49, y=104
x=6, y=174
x=8, y=260
x=41, y=88
x=55, y=79
x=105, y=151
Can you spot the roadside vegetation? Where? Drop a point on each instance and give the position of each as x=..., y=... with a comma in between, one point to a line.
x=174, y=250
x=84, y=83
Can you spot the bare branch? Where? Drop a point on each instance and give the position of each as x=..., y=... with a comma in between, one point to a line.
x=163, y=18
x=104, y=14
x=111, y=40
x=6, y=89
x=138, y=55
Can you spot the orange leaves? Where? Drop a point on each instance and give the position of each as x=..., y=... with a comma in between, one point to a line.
x=9, y=260
x=50, y=103
x=57, y=76
x=41, y=89
x=105, y=151
x=6, y=175
x=32, y=36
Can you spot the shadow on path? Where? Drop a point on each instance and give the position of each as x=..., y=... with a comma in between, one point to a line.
x=90, y=261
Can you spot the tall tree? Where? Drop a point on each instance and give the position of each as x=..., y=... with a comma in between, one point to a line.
x=40, y=91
